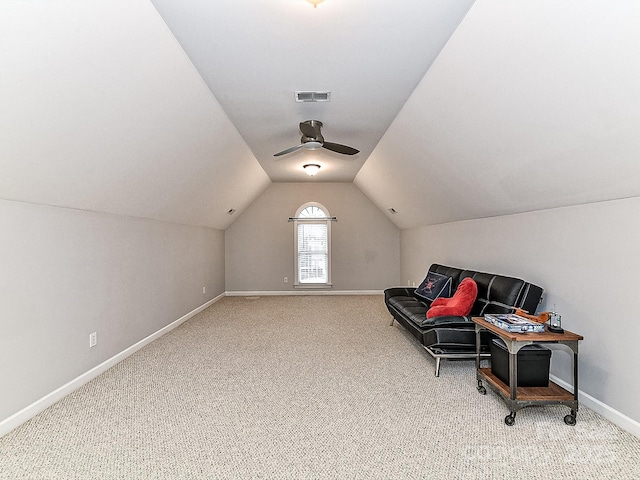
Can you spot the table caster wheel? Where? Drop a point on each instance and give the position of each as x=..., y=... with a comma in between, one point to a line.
x=482, y=390
x=570, y=420
x=509, y=420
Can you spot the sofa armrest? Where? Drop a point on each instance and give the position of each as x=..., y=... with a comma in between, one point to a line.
x=398, y=292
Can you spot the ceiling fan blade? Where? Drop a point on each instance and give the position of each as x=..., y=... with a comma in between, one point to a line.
x=288, y=150
x=310, y=128
x=343, y=149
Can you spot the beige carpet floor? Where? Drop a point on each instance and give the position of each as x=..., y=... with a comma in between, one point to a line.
x=303, y=387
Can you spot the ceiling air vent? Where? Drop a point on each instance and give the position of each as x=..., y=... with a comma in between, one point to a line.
x=313, y=96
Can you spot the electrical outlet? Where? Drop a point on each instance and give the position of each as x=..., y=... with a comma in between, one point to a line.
x=204, y=289
x=93, y=339
x=286, y=279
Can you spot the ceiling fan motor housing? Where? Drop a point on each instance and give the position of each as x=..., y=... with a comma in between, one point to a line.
x=311, y=139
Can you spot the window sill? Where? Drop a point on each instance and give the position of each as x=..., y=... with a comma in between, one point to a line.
x=313, y=285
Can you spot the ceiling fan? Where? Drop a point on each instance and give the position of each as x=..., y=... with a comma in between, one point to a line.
x=312, y=139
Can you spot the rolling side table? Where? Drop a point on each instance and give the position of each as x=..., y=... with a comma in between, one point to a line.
x=516, y=397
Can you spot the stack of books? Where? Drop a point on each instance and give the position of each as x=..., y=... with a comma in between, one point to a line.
x=513, y=323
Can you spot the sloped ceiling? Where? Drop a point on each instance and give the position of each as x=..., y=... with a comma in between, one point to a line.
x=518, y=105
x=531, y=105
x=370, y=54
x=100, y=109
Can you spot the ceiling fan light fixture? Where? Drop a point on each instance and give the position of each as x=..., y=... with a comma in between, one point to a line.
x=311, y=168
x=312, y=145
x=315, y=2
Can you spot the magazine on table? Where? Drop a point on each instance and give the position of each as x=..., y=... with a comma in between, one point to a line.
x=513, y=323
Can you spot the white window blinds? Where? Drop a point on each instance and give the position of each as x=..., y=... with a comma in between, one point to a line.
x=313, y=253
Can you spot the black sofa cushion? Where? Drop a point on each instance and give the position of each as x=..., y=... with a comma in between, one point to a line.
x=496, y=293
x=412, y=309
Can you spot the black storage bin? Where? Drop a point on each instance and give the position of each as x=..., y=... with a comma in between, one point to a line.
x=533, y=364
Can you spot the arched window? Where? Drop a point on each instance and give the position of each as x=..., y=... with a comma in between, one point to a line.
x=312, y=230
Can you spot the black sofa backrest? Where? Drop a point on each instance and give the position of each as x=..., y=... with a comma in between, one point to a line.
x=452, y=272
x=496, y=293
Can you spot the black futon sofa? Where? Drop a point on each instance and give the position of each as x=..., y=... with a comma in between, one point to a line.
x=454, y=336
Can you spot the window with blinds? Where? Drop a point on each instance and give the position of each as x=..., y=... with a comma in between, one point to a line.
x=313, y=254
x=312, y=242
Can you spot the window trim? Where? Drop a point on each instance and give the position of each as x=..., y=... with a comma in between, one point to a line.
x=297, y=220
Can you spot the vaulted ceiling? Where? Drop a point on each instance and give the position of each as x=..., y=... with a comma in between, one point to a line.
x=370, y=54
x=173, y=109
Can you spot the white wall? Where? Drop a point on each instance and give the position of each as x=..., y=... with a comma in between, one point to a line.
x=587, y=258
x=66, y=273
x=259, y=244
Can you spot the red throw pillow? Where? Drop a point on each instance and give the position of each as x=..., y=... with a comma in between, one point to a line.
x=461, y=302
x=439, y=301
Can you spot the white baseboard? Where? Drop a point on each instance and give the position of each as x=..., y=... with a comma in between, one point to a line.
x=620, y=419
x=261, y=293
x=38, y=406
